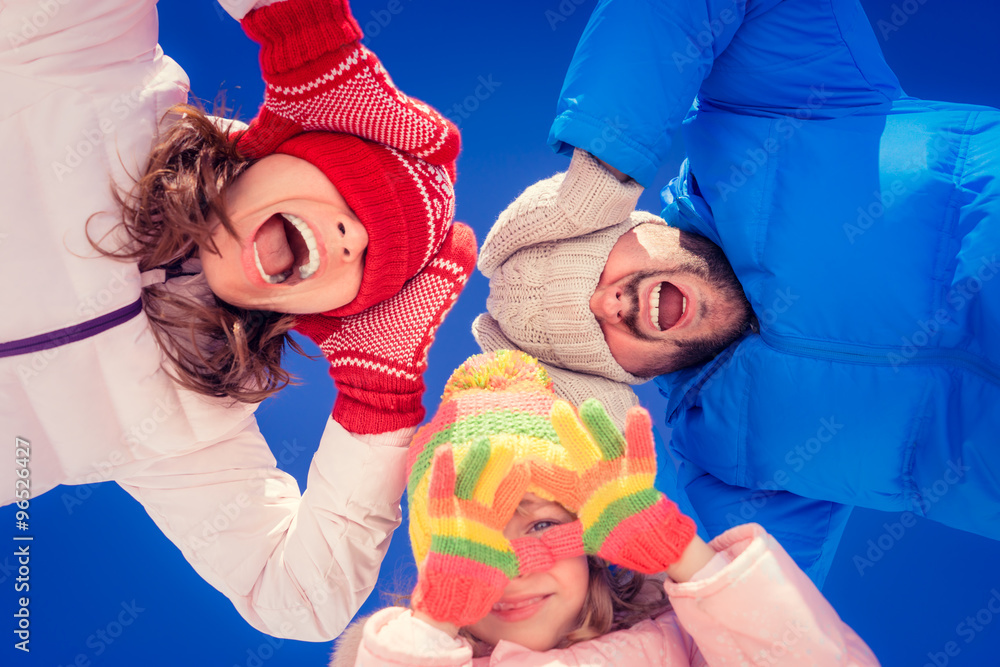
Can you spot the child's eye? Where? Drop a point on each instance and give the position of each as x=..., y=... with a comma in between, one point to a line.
x=540, y=526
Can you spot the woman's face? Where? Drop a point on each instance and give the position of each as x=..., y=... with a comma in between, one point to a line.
x=537, y=611
x=298, y=249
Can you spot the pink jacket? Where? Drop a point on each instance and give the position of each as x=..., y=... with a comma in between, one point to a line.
x=760, y=609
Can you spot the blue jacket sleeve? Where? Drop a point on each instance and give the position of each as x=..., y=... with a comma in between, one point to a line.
x=808, y=529
x=633, y=77
x=640, y=64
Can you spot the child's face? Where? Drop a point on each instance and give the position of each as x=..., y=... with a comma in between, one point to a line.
x=299, y=247
x=538, y=610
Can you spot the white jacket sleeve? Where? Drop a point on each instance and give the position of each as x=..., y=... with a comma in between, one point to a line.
x=295, y=566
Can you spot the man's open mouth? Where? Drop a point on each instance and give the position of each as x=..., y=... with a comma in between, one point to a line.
x=282, y=244
x=666, y=306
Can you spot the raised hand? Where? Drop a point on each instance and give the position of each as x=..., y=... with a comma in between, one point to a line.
x=378, y=357
x=320, y=77
x=468, y=562
x=624, y=518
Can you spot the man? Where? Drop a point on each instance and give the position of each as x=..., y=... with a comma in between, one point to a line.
x=862, y=226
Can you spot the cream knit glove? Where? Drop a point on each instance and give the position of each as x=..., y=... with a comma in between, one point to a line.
x=582, y=200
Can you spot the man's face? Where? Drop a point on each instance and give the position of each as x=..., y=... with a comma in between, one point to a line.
x=667, y=300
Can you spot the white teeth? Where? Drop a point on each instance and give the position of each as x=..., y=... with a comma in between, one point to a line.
x=305, y=270
x=309, y=268
x=684, y=305
x=654, y=306
x=280, y=278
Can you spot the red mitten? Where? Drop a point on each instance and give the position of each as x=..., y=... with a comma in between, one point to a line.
x=320, y=77
x=378, y=357
x=540, y=553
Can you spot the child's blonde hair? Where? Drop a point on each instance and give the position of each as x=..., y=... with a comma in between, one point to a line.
x=214, y=348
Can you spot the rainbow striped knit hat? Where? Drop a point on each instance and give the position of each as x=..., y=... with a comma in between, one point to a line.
x=505, y=396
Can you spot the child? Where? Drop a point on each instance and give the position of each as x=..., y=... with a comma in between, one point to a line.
x=519, y=505
x=337, y=200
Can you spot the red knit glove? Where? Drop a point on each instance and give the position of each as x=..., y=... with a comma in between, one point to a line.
x=625, y=520
x=540, y=553
x=320, y=77
x=378, y=357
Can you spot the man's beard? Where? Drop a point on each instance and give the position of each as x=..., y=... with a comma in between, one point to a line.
x=718, y=273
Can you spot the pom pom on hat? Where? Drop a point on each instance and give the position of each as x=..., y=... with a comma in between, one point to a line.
x=501, y=395
x=502, y=371
x=616, y=397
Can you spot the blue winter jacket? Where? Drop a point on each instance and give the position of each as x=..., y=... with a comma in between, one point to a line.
x=864, y=227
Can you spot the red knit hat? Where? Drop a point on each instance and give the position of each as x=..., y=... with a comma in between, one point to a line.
x=405, y=204
x=391, y=157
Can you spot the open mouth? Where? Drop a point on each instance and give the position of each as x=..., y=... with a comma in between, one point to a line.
x=667, y=306
x=282, y=245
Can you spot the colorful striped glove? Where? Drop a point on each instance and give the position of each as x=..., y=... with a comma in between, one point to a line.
x=470, y=562
x=624, y=519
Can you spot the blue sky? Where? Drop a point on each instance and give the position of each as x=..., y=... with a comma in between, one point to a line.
x=98, y=558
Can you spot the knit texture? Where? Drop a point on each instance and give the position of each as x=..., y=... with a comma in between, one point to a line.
x=329, y=100
x=378, y=357
x=616, y=397
x=544, y=258
x=506, y=397
x=624, y=518
x=502, y=428
x=470, y=562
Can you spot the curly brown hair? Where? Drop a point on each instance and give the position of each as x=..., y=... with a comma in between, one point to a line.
x=214, y=348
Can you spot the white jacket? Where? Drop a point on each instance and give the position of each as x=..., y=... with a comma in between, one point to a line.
x=83, y=87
